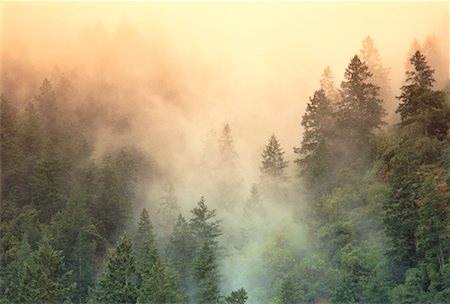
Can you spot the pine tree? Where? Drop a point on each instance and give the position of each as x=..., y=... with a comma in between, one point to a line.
x=360, y=110
x=48, y=184
x=370, y=55
x=167, y=213
x=159, y=286
x=328, y=86
x=237, y=297
x=146, y=248
x=9, y=146
x=204, y=225
x=419, y=104
x=273, y=163
x=227, y=150
x=318, y=136
x=180, y=253
x=12, y=284
x=290, y=292
x=205, y=273
x=45, y=280
x=74, y=233
x=117, y=282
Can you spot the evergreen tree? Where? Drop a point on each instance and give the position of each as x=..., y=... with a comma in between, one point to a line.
x=12, y=283
x=117, y=282
x=359, y=112
x=146, y=249
x=328, y=86
x=204, y=225
x=167, y=213
x=316, y=149
x=290, y=292
x=180, y=253
x=159, y=286
x=47, y=185
x=227, y=150
x=237, y=297
x=74, y=233
x=45, y=280
x=273, y=163
x=420, y=104
x=205, y=273
x=370, y=55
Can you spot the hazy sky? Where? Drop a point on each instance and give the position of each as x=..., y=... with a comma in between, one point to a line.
x=251, y=64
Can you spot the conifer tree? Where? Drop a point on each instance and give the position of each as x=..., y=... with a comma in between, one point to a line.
x=370, y=55
x=273, y=163
x=45, y=280
x=48, y=184
x=204, y=224
x=360, y=111
x=237, y=297
x=74, y=233
x=318, y=139
x=146, y=248
x=159, y=286
x=205, y=273
x=167, y=213
x=12, y=283
x=227, y=150
x=419, y=104
x=327, y=84
x=117, y=282
x=180, y=253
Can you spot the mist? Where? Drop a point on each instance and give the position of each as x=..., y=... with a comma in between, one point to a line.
x=160, y=76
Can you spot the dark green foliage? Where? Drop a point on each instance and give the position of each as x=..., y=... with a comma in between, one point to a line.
x=74, y=233
x=290, y=292
x=420, y=104
x=118, y=281
x=181, y=251
x=359, y=111
x=45, y=280
x=146, y=249
x=159, y=286
x=205, y=274
x=203, y=223
x=237, y=297
x=315, y=153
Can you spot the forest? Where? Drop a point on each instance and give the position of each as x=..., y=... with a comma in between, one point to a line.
x=361, y=214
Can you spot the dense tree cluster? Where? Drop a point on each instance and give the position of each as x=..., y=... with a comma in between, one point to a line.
x=377, y=211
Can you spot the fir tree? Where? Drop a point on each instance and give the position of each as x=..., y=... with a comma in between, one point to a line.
x=237, y=297
x=117, y=282
x=420, y=104
x=146, y=249
x=205, y=273
x=74, y=233
x=360, y=111
x=328, y=86
x=203, y=223
x=181, y=251
x=273, y=163
x=45, y=280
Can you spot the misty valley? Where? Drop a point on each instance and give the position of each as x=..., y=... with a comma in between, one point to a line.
x=197, y=160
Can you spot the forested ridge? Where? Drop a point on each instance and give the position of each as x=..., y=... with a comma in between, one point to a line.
x=372, y=197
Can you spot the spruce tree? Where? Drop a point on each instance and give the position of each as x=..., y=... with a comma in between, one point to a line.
x=327, y=84
x=74, y=233
x=180, y=253
x=419, y=104
x=315, y=154
x=146, y=248
x=273, y=163
x=45, y=280
x=117, y=282
x=204, y=224
x=237, y=297
x=159, y=285
x=205, y=273
x=360, y=111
